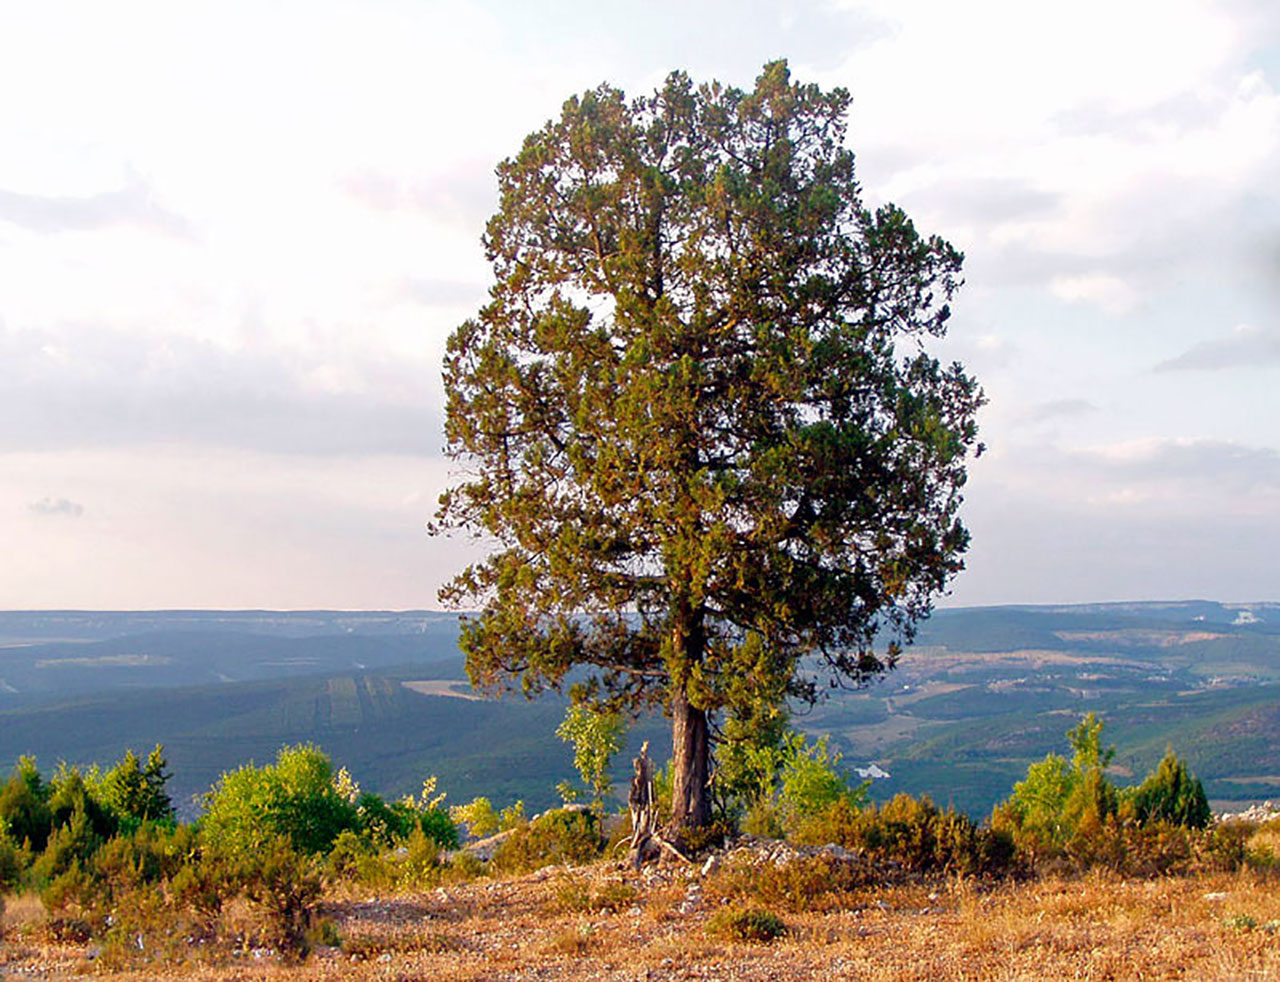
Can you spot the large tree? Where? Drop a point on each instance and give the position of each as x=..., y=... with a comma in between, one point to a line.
x=697, y=415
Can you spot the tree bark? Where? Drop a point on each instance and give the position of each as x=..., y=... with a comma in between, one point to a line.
x=690, y=765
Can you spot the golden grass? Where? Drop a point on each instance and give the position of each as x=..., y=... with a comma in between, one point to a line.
x=1213, y=927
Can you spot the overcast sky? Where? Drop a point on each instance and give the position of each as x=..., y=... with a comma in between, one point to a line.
x=234, y=237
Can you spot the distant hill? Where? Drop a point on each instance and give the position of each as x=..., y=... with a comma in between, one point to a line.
x=983, y=692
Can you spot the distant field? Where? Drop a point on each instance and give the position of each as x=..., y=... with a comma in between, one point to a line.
x=984, y=692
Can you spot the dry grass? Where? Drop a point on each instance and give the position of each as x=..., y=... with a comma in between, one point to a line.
x=536, y=927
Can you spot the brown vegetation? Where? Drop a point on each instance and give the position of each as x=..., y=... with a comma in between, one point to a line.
x=606, y=922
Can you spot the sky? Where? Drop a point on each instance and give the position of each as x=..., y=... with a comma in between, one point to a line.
x=234, y=238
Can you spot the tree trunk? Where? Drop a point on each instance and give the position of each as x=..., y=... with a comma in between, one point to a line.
x=690, y=765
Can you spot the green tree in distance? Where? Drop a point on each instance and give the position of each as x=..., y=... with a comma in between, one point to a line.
x=697, y=415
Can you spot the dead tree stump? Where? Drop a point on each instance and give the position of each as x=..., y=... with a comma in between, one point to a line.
x=644, y=810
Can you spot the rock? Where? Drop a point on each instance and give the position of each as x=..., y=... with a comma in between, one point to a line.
x=484, y=848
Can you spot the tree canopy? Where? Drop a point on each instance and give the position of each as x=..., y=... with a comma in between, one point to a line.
x=697, y=414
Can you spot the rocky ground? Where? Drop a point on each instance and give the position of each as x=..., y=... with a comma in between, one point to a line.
x=608, y=922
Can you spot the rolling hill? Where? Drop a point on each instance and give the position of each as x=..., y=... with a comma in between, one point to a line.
x=982, y=693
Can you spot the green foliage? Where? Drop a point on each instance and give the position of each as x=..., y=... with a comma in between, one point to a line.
x=477, y=815
x=787, y=781
x=24, y=806
x=753, y=924
x=295, y=798
x=135, y=793
x=751, y=744
x=70, y=846
x=437, y=826
x=13, y=860
x=204, y=884
x=381, y=823
x=1072, y=811
x=915, y=834
x=1086, y=741
x=284, y=886
x=1172, y=794
x=420, y=867
x=561, y=836
x=596, y=736
x=1058, y=800
x=684, y=409
x=512, y=817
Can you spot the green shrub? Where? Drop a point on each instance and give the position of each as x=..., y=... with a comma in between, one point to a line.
x=72, y=894
x=349, y=855
x=1262, y=844
x=777, y=784
x=204, y=884
x=382, y=824
x=132, y=792
x=1171, y=793
x=13, y=862
x=746, y=924
x=914, y=833
x=561, y=836
x=1045, y=812
x=283, y=886
x=437, y=826
x=464, y=866
x=478, y=816
x=72, y=844
x=294, y=798
x=24, y=806
x=421, y=866
x=596, y=736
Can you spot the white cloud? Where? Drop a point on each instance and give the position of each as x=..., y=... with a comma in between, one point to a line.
x=1112, y=294
x=235, y=236
x=56, y=506
x=1122, y=133
x=85, y=386
x=1245, y=347
x=1056, y=409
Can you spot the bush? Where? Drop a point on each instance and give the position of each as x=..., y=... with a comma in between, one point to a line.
x=577, y=895
x=805, y=884
x=134, y=793
x=478, y=816
x=560, y=836
x=13, y=861
x=783, y=783
x=1262, y=847
x=1172, y=794
x=295, y=798
x=24, y=806
x=437, y=826
x=71, y=845
x=204, y=884
x=420, y=868
x=283, y=885
x=915, y=834
x=746, y=924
